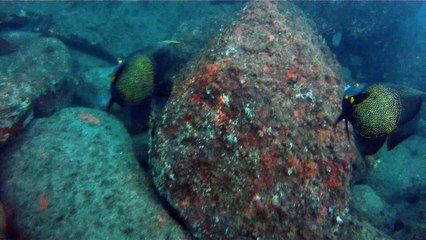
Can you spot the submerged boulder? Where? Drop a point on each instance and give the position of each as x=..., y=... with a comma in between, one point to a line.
x=357, y=229
x=74, y=176
x=244, y=147
x=31, y=79
x=366, y=204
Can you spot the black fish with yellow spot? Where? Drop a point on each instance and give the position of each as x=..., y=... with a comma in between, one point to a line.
x=135, y=77
x=378, y=112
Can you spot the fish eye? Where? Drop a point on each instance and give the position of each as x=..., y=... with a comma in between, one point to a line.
x=356, y=84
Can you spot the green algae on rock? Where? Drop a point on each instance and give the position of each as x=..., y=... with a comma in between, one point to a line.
x=74, y=176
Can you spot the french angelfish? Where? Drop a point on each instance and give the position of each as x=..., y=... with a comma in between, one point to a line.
x=380, y=112
x=134, y=79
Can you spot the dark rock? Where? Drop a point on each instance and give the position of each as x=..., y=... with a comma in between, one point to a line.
x=244, y=147
x=94, y=87
x=3, y=225
x=6, y=47
x=367, y=205
x=356, y=230
x=74, y=176
x=31, y=80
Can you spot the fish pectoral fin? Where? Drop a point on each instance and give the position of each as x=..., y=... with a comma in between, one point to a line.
x=368, y=146
x=110, y=103
x=401, y=133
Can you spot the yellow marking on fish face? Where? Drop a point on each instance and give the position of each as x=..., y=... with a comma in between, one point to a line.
x=120, y=61
x=346, y=97
x=352, y=100
x=357, y=85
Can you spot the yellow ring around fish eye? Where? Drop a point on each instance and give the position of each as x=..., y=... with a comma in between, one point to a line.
x=356, y=84
x=352, y=100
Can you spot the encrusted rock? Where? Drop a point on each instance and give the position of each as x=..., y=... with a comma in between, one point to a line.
x=356, y=230
x=367, y=205
x=244, y=147
x=31, y=80
x=74, y=176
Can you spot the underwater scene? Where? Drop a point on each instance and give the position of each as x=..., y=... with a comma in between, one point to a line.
x=212, y=120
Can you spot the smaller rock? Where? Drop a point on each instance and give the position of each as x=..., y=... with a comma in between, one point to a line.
x=74, y=175
x=356, y=230
x=31, y=79
x=94, y=89
x=368, y=205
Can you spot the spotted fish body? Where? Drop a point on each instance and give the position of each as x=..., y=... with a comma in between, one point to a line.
x=133, y=81
x=135, y=78
x=380, y=112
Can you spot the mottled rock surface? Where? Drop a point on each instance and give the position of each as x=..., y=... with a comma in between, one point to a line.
x=74, y=176
x=244, y=147
x=369, y=206
x=94, y=88
x=357, y=230
x=30, y=80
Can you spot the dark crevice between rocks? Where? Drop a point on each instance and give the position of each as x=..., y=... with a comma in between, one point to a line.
x=143, y=160
x=398, y=226
x=166, y=205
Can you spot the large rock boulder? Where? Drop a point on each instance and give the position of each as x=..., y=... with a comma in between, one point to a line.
x=74, y=176
x=31, y=78
x=244, y=147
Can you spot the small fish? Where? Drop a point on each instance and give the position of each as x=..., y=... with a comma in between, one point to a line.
x=380, y=112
